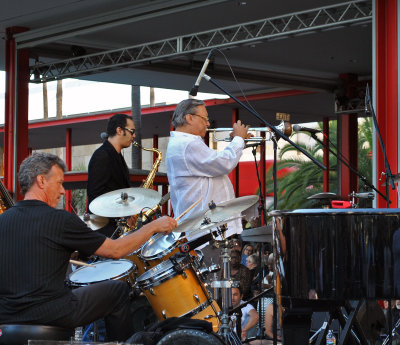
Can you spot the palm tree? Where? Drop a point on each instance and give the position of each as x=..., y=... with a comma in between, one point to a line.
x=306, y=178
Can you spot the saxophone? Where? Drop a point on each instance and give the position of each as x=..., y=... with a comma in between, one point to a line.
x=148, y=183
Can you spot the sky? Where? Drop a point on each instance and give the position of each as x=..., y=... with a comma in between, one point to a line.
x=82, y=97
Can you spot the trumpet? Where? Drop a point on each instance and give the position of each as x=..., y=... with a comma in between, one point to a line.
x=285, y=127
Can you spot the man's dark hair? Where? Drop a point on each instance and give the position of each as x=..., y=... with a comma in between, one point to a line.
x=39, y=163
x=115, y=121
x=239, y=288
x=187, y=106
x=235, y=252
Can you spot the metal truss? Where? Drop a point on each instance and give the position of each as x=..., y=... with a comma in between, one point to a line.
x=329, y=17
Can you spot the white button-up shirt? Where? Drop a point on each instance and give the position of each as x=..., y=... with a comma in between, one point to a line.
x=196, y=171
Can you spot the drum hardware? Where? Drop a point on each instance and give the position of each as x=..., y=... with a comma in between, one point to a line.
x=225, y=285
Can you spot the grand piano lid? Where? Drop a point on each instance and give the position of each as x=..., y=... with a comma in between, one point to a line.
x=335, y=211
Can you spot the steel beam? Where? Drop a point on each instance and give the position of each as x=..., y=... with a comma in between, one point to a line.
x=255, y=32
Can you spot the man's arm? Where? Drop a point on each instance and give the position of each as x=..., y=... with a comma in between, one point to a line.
x=251, y=323
x=122, y=246
x=99, y=173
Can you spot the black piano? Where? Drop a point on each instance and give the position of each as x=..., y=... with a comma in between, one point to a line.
x=326, y=257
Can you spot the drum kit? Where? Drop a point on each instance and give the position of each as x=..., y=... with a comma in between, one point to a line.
x=167, y=269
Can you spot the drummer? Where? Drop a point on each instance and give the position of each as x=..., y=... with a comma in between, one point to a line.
x=107, y=170
x=36, y=242
x=196, y=171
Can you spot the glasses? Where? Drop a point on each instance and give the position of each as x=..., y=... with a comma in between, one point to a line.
x=207, y=119
x=132, y=131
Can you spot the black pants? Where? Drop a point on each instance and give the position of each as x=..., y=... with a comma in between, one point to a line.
x=108, y=300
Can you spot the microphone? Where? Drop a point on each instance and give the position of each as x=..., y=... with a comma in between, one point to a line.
x=367, y=195
x=298, y=128
x=103, y=136
x=252, y=145
x=195, y=88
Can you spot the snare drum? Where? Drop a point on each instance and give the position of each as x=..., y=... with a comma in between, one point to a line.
x=173, y=289
x=103, y=271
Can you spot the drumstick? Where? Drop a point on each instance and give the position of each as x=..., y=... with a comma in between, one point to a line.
x=184, y=212
x=80, y=263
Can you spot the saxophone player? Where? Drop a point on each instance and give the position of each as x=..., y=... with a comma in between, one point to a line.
x=107, y=169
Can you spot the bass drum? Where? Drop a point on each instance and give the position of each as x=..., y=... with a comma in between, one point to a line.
x=142, y=314
x=190, y=336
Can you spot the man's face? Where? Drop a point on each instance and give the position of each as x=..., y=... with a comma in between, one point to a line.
x=199, y=121
x=127, y=137
x=235, y=260
x=53, y=185
x=236, y=297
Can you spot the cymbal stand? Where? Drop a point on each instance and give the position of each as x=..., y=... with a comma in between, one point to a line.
x=225, y=331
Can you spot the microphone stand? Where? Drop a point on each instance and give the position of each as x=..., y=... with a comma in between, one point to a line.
x=339, y=156
x=262, y=212
x=389, y=176
x=278, y=134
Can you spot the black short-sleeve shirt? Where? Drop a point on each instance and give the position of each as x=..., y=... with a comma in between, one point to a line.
x=36, y=242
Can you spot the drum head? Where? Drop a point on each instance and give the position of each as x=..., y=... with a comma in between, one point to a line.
x=190, y=336
x=104, y=270
x=159, y=245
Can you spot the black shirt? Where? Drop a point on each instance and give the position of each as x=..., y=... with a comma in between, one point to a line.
x=107, y=171
x=36, y=242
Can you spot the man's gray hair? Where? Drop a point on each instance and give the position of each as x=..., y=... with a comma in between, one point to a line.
x=187, y=106
x=39, y=163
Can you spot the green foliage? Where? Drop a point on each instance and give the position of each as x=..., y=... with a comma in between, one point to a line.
x=306, y=178
x=78, y=196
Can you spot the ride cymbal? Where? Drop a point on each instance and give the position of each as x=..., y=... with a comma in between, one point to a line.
x=124, y=202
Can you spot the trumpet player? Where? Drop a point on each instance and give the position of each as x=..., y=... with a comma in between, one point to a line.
x=107, y=170
x=196, y=171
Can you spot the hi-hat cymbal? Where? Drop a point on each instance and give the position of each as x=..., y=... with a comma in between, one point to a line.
x=124, y=202
x=212, y=218
x=325, y=195
x=94, y=221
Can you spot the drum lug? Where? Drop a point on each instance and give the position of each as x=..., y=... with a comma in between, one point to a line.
x=164, y=314
x=184, y=274
x=152, y=291
x=196, y=298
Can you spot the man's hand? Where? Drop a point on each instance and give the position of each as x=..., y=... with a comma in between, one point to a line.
x=164, y=224
x=240, y=130
x=132, y=220
x=244, y=335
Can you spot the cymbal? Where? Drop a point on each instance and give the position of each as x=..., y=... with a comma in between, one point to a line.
x=222, y=213
x=124, y=202
x=323, y=196
x=94, y=221
x=261, y=234
x=231, y=208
